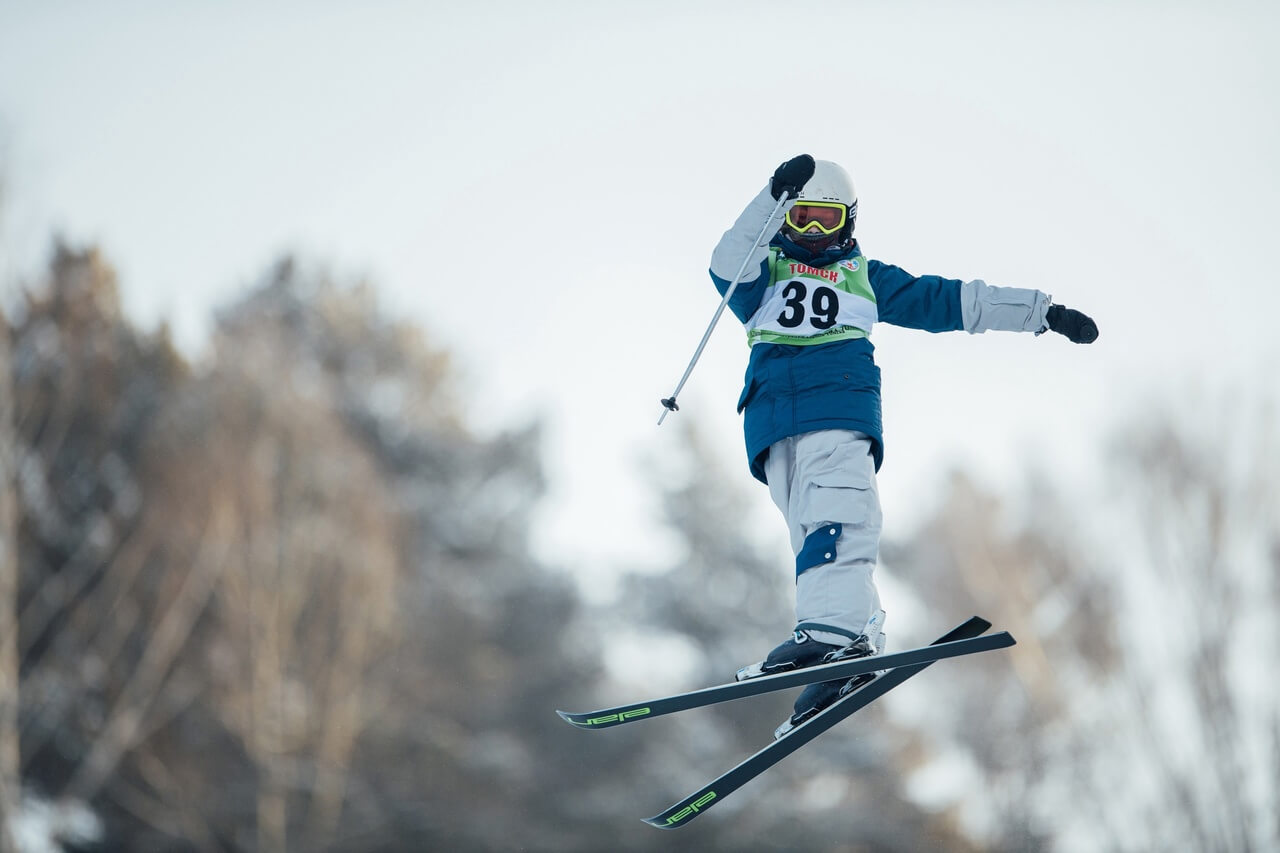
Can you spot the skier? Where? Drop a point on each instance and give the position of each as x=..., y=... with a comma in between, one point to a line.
x=812, y=395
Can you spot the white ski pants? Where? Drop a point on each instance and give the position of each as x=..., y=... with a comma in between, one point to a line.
x=825, y=484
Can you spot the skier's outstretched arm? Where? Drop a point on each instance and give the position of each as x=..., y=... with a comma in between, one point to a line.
x=1017, y=309
x=937, y=304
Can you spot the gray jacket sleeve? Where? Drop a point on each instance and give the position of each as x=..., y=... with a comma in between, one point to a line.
x=1002, y=309
x=739, y=240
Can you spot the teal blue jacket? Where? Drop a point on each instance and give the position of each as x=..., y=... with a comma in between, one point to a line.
x=790, y=390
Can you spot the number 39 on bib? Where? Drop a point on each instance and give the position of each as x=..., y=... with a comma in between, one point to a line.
x=806, y=305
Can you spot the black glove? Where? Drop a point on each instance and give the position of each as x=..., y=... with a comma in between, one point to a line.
x=1077, y=327
x=791, y=176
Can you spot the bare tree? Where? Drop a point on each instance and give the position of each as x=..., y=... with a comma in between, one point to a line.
x=285, y=600
x=1136, y=711
x=1021, y=569
x=10, y=777
x=10, y=771
x=84, y=388
x=306, y=611
x=1203, y=624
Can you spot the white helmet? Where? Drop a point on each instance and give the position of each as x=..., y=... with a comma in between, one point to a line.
x=830, y=182
x=829, y=185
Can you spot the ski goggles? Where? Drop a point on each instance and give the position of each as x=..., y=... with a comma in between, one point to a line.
x=828, y=216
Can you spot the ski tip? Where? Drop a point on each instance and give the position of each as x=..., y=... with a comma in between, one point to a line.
x=666, y=820
x=683, y=811
x=592, y=720
x=607, y=717
x=979, y=624
x=576, y=720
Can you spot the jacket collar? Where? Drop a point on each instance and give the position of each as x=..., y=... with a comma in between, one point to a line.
x=828, y=256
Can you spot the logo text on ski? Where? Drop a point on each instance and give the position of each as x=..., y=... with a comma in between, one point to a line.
x=692, y=808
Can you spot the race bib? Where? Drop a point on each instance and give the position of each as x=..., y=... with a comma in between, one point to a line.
x=814, y=305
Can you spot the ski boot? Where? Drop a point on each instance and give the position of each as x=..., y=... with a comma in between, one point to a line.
x=802, y=651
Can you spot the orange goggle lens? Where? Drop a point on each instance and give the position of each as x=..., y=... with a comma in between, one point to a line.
x=825, y=217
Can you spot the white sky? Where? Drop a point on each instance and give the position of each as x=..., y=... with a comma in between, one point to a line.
x=540, y=185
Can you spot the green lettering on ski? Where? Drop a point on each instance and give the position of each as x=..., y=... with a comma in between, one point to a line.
x=691, y=809
x=620, y=717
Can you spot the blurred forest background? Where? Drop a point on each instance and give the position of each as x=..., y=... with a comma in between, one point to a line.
x=282, y=599
x=282, y=574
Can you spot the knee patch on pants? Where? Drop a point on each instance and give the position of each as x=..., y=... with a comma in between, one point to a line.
x=819, y=548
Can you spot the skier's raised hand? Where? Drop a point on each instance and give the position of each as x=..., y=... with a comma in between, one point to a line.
x=791, y=176
x=1077, y=327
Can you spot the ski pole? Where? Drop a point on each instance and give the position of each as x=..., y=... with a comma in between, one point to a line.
x=669, y=403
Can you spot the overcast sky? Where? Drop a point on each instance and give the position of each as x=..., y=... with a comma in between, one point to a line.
x=540, y=185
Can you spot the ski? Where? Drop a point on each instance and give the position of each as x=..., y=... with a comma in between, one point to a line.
x=686, y=810
x=949, y=646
